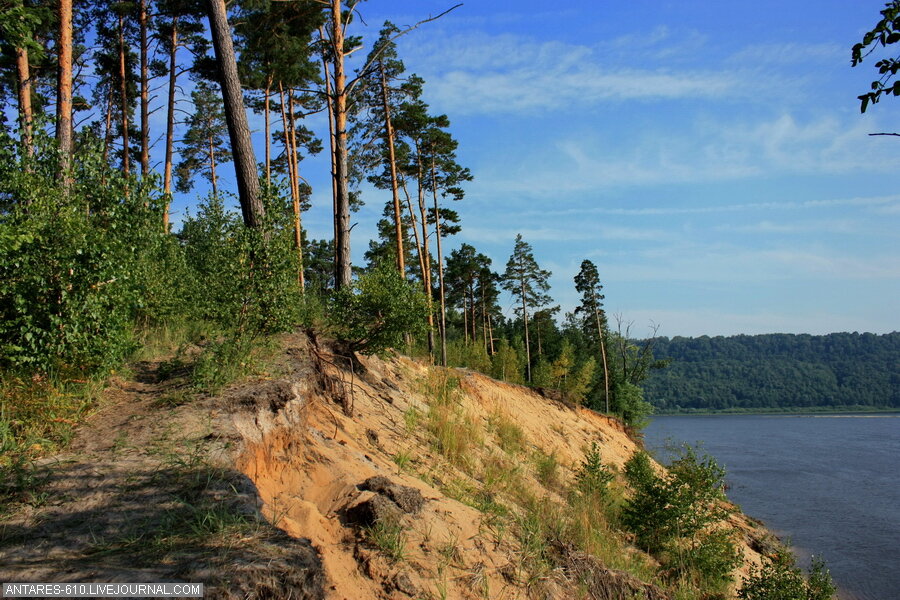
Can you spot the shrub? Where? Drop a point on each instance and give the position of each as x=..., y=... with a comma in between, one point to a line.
x=470, y=355
x=376, y=312
x=507, y=364
x=629, y=404
x=241, y=278
x=72, y=260
x=593, y=477
x=780, y=579
x=678, y=516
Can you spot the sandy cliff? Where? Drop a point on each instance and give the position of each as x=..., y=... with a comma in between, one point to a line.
x=333, y=478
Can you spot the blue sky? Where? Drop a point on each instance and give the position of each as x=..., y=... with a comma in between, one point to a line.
x=709, y=157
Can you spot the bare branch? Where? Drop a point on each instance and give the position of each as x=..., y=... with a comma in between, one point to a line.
x=365, y=68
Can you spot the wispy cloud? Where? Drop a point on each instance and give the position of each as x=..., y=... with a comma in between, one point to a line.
x=478, y=73
x=834, y=226
x=788, y=53
x=723, y=263
x=878, y=204
x=702, y=151
x=572, y=232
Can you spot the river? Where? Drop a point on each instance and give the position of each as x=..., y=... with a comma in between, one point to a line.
x=830, y=483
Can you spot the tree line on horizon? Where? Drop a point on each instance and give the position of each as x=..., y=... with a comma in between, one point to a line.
x=777, y=371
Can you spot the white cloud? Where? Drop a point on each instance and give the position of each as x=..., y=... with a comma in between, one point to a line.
x=877, y=204
x=705, y=151
x=789, y=53
x=572, y=232
x=478, y=73
x=834, y=226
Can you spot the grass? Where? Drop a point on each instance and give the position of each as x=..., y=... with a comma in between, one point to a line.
x=196, y=513
x=38, y=416
x=403, y=459
x=411, y=418
x=546, y=469
x=389, y=537
x=454, y=434
x=510, y=436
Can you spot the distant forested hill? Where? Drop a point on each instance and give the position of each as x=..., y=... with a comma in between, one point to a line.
x=777, y=371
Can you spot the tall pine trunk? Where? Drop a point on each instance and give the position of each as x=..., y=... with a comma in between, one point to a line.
x=426, y=273
x=64, y=88
x=123, y=97
x=268, y=132
x=389, y=138
x=527, y=342
x=23, y=72
x=238, y=131
x=490, y=333
x=342, y=261
x=107, y=138
x=415, y=227
x=298, y=228
x=212, y=169
x=329, y=103
x=170, y=121
x=287, y=143
x=440, y=258
x=602, y=350
x=145, y=91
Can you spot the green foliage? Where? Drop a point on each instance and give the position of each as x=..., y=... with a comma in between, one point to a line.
x=510, y=436
x=575, y=385
x=628, y=403
x=679, y=516
x=241, y=278
x=469, y=355
x=73, y=264
x=453, y=432
x=376, y=312
x=593, y=477
x=389, y=536
x=203, y=146
x=524, y=279
x=546, y=469
x=885, y=33
x=776, y=371
x=542, y=374
x=780, y=579
x=507, y=364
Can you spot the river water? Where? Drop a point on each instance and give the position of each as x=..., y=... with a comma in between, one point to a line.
x=830, y=483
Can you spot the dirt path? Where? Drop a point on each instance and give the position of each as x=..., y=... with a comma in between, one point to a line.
x=146, y=492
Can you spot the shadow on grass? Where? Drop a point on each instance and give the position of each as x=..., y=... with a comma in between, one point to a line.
x=178, y=522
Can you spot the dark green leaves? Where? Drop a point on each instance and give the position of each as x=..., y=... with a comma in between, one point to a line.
x=885, y=32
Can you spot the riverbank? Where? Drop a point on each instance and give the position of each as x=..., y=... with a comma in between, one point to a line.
x=826, y=482
x=787, y=410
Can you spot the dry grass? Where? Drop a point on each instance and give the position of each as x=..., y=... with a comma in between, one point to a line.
x=454, y=433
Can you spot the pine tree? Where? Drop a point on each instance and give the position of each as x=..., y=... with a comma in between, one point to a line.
x=64, y=87
x=587, y=282
x=204, y=143
x=444, y=178
x=379, y=99
x=276, y=52
x=465, y=269
x=252, y=207
x=176, y=25
x=525, y=280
